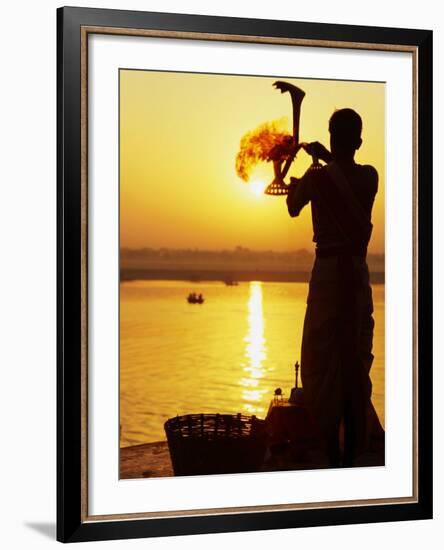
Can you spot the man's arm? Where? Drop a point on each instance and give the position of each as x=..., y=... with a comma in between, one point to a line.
x=316, y=149
x=372, y=179
x=299, y=190
x=298, y=194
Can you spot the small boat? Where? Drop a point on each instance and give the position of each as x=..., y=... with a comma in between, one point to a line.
x=230, y=282
x=194, y=298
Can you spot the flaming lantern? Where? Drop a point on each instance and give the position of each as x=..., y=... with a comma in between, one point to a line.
x=271, y=144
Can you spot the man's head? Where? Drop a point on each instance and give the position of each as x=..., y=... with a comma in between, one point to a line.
x=345, y=128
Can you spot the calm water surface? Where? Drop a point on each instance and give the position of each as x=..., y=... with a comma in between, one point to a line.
x=227, y=355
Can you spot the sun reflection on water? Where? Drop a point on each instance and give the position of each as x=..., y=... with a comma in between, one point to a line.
x=255, y=352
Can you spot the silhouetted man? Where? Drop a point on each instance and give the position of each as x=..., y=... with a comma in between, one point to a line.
x=337, y=340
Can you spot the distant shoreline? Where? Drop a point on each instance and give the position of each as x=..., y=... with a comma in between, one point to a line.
x=196, y=276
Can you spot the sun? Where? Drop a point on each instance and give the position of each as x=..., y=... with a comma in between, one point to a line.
x=257, y=187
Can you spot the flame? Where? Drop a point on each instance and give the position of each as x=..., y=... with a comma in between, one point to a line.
x=267, y=142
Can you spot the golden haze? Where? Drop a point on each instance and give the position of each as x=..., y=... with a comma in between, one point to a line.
x=179, y=137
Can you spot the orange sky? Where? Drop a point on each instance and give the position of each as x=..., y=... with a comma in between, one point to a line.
x=179, y=136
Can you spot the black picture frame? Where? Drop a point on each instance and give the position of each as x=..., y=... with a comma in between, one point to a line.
x=73, y=523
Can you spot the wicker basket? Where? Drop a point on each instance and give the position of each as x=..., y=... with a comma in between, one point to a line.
x=216, y=443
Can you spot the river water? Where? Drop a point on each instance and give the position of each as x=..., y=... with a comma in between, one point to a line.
x=227, y=355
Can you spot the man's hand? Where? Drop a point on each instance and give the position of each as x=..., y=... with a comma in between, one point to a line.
x=316, y=149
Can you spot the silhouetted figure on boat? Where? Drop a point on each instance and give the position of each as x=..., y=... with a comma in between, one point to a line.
x=336, y=354
x=193, y=298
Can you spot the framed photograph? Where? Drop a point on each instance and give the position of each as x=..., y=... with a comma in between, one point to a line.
x=244, y=274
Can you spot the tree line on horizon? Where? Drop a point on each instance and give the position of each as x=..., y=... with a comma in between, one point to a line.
x=301, y=257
